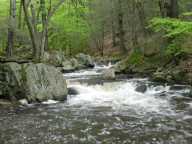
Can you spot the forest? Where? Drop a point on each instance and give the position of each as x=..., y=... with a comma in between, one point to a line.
x=91, y=71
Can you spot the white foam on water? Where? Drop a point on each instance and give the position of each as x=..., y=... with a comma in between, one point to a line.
x=50, y=102
x=98, y=67
x=157, y=89
x=88, y=72
x=118, y=96
x=82, y=73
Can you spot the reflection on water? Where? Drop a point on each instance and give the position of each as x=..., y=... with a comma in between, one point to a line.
x=109, y=113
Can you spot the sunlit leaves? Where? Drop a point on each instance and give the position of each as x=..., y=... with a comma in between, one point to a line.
x=172, y=27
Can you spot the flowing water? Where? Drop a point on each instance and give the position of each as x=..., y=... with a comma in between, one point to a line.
x=103, y=112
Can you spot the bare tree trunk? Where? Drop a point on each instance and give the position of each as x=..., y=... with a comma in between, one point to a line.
x=31, y=29
x=102, y=40
x=169, y=8
x=113, y=24
x=141, y=14
x=163, y=8
x=20, y=15
x=134, y=26
x=38, y=39
x=121, y=26
x=11, y=29
x=44, y=24
x=174, y=8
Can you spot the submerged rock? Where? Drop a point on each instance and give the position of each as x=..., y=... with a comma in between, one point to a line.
x=141, y=88
x=72, y=91
x=33, y=82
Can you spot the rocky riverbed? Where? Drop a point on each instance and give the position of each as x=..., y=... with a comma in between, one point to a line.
x=102, y=110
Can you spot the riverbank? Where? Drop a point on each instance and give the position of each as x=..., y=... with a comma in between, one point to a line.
x=158, y=68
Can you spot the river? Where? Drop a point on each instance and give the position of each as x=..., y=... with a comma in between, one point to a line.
x=103, y=112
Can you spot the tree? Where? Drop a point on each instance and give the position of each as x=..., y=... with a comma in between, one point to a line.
x=169, y=8
x=11, y=29
x=121, y=26
x=39, y=39
x=174, y=9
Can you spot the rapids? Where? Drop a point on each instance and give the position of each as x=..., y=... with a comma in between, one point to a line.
x=103, y=112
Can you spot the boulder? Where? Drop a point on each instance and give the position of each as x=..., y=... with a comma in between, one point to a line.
x=10, y=81
x=85, y=60
x=70, y=65
x=33, y=82
x=142, y=88
x=67, y=66
x=72, y=91
x=109, y=74
x=23, y=102
x=55, y=58
x=46, y=57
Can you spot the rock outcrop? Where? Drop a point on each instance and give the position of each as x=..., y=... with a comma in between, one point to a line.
x=167, y=70
x=33, y=82
x=58, y=59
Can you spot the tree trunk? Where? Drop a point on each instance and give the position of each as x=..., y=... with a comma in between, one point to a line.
x=113, y=24
x=11, y=29
x=169, y=8
x=38, y=39
x=20, y=15
x=141, y=15
x=121, y=26
x=44, y=24
x=32, y=32
x=174, y=9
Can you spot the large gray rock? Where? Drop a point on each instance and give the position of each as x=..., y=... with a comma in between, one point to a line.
x=58, y=59
x=55, y=58
x=85, y=60
x=11, y=81
x=70, y=65
x=34, y=82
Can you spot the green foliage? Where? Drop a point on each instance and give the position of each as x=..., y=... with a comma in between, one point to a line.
x=136, y=58
x=175, y=31
x=173, y=49
x=69, y=29
x=187, y=14
x=172, y=27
